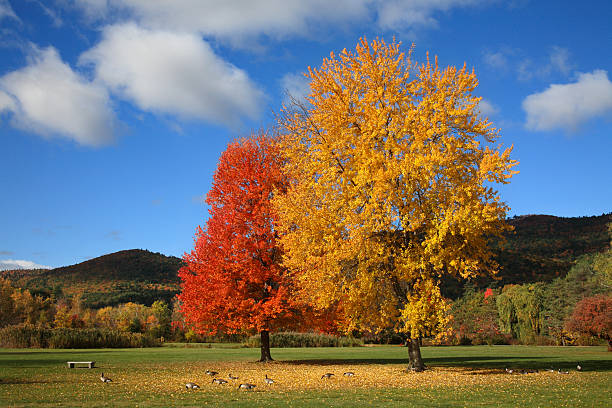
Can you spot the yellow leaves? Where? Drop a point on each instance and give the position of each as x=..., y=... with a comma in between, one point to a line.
x=388, y=194
x=424, y=313
x=149, y=383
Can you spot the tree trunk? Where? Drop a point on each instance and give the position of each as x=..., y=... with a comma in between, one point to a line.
x=610, y=345
x=265, y=347
x=415, y=361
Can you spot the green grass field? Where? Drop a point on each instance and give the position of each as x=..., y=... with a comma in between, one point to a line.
x=459, y=376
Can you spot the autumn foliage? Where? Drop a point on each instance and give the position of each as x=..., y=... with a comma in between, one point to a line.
x=391, y=168
x=233, y=280
x=593, y=316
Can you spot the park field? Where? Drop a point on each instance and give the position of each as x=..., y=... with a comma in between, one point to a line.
x=458, y=376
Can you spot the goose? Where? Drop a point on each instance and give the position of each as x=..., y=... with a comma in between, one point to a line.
x=211, y=373
x=563, y=372
x=231, y=377
x=247, y=386
x=269, y=381
x=509, y=370
x=579, y=367
x=550, y=370
x=105, y=379
x=192, y=386
x=349, y=374
x=327, y=375
x=220, y=381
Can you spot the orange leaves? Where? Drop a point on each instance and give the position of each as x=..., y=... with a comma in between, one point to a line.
x=233, y=280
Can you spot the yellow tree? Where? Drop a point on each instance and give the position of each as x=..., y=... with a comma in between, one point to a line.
x=392, y=187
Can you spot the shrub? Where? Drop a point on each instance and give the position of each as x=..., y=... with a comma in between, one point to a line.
x=294, y=339
x=593, y=317
x=384, y=337
x=26, y=336
x=544, y=341
x=465, y=341
x=520, y=309
x=474, y=317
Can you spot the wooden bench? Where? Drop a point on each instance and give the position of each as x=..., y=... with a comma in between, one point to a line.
x=90, y=364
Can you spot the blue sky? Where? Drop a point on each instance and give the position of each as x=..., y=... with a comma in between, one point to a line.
x=113, y=113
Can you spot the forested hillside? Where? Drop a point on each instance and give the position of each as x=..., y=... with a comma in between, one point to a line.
x=541, y=248
x=126, y=276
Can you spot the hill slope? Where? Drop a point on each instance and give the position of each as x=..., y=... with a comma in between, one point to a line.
x=133, y=275
x=541, y=248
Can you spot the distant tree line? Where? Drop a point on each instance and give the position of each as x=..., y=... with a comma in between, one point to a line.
x=570, y=310
x=575, y=309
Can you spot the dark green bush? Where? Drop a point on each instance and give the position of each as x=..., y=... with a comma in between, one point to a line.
x=386, y=336
x=294, y=339
x=465, y=341
x=490, y=339
x=25, y=336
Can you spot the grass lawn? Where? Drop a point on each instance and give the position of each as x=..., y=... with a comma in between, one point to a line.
x=459, y=376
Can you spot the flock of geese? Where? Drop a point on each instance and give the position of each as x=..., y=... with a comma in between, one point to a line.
x=249, y=386
x=550, y=370
x=270, y=381
x=221, y=381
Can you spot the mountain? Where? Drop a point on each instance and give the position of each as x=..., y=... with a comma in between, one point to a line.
x=133, y=275
x=541, y=248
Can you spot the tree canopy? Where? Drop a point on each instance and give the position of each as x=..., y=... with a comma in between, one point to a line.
x=593, y=316
x=392, y=172
x=233, y=280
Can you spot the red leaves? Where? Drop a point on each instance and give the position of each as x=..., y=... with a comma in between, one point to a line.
x=592, y=316
x=233, y=279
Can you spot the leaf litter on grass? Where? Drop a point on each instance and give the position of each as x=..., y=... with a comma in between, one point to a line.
x=168, y=378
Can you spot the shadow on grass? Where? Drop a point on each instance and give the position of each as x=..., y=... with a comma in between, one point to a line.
x=43, y=364
x=492, y=363
x=21, y=381
x=22, y=359
x=540, y=363
x=353, y=361
x=65, y=352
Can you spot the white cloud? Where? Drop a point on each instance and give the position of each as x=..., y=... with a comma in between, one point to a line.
x=234, y=20
x=8, y=264
x=566, y=106
x=402, y=14
x=487, y=108
x=557, y=62
x=53, y=16
x=6, y=10
x=295, y=86
x=171, y=72
x=6, y=102
x=525, y=70
x=239, y=20
x=496, y=60
x=50, y=99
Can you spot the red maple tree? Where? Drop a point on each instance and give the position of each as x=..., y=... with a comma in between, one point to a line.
x=233, y=281
x=593, y=316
